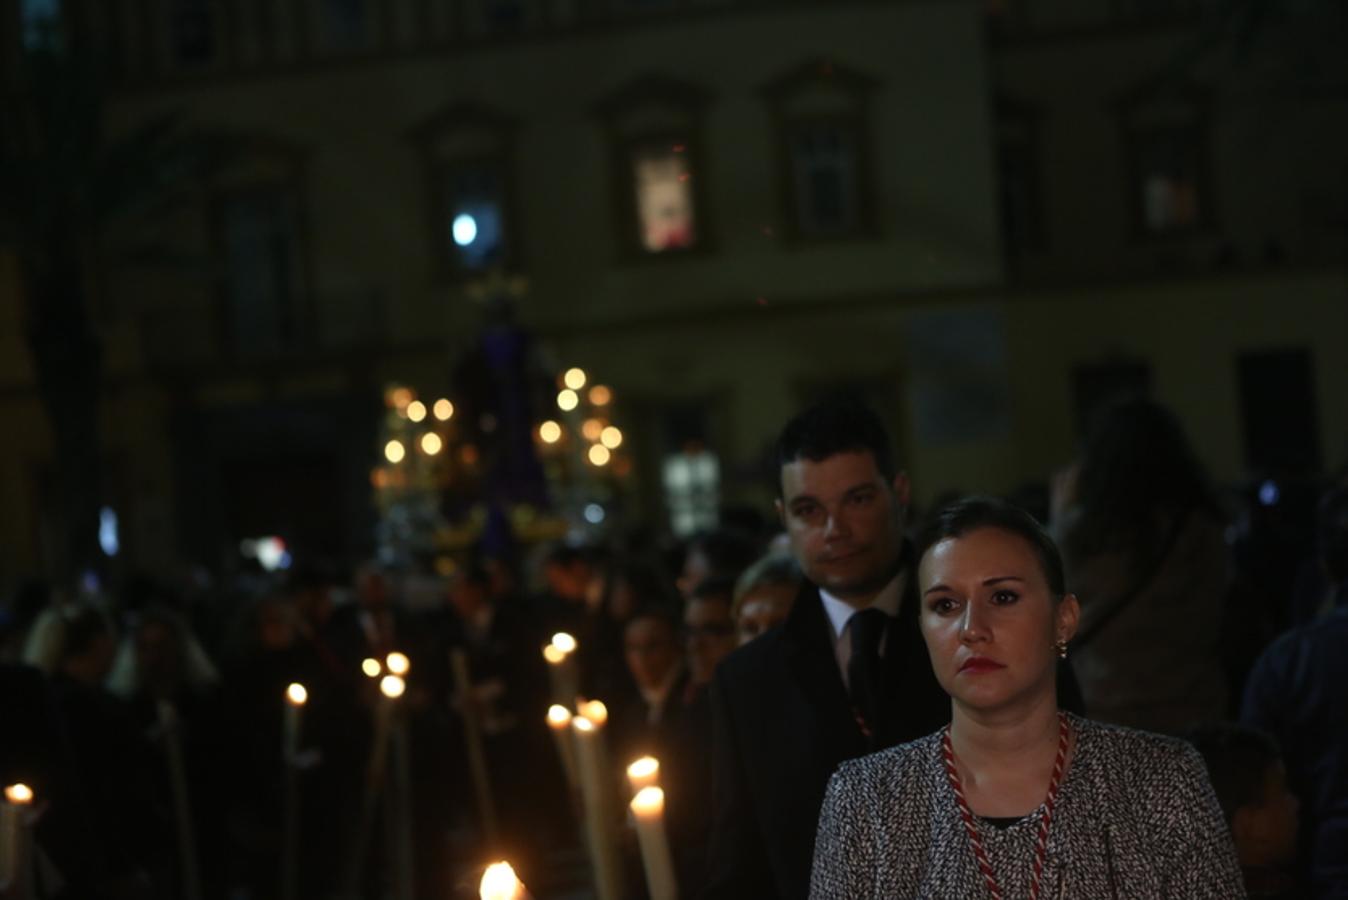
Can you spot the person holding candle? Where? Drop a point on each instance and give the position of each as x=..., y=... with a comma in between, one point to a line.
x=1015, y=797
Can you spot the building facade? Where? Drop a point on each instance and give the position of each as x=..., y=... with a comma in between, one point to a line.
x=984, y=219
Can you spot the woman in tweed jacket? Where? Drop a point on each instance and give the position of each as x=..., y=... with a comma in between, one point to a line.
x=1015, y=799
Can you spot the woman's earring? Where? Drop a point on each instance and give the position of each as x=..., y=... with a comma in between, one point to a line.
x=1061, y=646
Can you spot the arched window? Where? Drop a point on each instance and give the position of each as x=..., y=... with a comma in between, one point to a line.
x=468, y=153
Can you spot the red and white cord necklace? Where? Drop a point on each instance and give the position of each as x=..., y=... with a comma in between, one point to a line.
x=1041, y=845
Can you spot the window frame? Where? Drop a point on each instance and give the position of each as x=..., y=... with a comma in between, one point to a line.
x=1031, y=119
x=1198, y=117
x=264, y=164
x=857, y=90
x=688, y=102
x=464, y=118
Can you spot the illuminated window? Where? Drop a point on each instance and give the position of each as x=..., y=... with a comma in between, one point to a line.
x=473, y=209
x=692, y=482
x=653, y=124
x=1165, y=140
x=1167, y=162
x=664, y=195
x=468, y=152
x=821, y=114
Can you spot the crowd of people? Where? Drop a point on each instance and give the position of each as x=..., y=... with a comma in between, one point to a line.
x=847, y=699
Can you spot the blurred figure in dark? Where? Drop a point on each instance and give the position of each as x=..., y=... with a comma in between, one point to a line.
x=170, y=684
x=564, y=603
x=25, y=606
x=1250, y=781
x=653, y=651
x=373, y=626
x=111, y=762
x=267, y=655
x=35, y=751
x=1319, y=590
x=508, y=698
x=1298, y=693
x=708, y=628
x=723, y=553
x=1142, y=538
x=764, y=594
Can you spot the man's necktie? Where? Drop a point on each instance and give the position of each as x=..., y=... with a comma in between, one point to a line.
x=867, y=627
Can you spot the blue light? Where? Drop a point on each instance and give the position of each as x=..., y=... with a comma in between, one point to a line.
x=108, y=538
x=594, y=513
x=1269, y=493
x=464, y=229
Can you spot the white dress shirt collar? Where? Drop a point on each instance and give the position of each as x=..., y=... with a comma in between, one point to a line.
x=840, y=612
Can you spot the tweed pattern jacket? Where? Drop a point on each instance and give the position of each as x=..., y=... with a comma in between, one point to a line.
x=1136, y=819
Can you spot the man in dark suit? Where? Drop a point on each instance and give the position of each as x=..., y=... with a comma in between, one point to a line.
x=846, y=674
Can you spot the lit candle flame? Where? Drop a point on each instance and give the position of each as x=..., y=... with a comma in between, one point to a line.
x=392, y=686
x=594, y=710
x=499, y=882
x=297, y=695
x=397, y=663
x=553, y=655
x=580, y=723
x=19, y=794
x=371, y=667
x=564, y=642
x=574, y=378
x=649, y=801
x=559, y=716
x=644, y=771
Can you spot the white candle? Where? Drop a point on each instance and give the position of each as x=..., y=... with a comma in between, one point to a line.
x=648, y=811
x=14, y=840
x=472, y=735
x=559, y=722
x=599, y=819
x=296, y=697
x=594, y=710
x=392, y=687
x=642, y=773
x=499, y=882
x=562, y=674
x=182, y=806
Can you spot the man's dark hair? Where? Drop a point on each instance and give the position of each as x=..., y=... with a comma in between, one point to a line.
x=973, y=513
x=838, y=425
x=665, y=613
x=1238, y=760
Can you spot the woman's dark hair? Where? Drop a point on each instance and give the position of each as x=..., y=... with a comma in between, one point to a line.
x=1136, y=464
x=973, y=513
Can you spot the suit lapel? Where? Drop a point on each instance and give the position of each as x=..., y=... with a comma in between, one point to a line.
x=808, y=645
